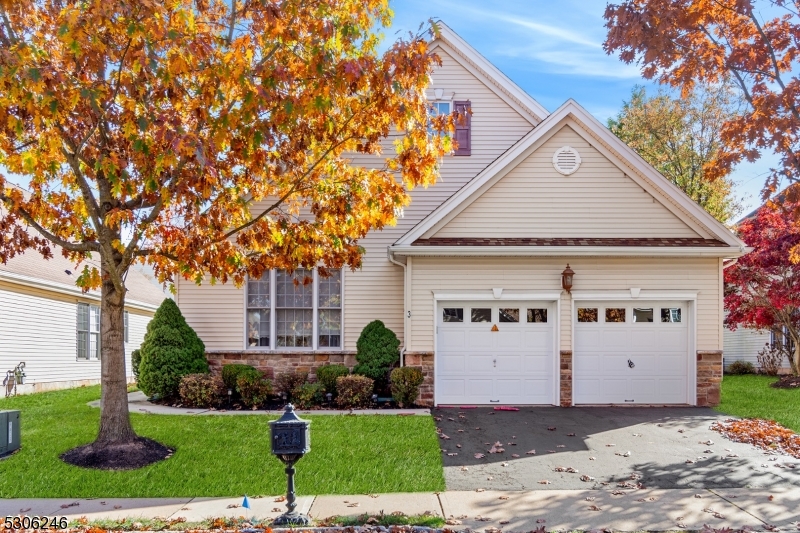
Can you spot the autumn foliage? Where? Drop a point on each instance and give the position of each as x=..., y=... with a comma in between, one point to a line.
x=764, y=434
x=209, y=139
x=762, y=290
x=752, y=43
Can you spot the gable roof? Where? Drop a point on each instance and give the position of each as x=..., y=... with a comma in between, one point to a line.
x=479, y=66
x=636, y=168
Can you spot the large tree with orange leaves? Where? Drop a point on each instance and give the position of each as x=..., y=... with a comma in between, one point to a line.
x=150, y=130
x=754, y=43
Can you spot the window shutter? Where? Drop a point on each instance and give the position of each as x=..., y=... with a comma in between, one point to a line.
x=463, y=127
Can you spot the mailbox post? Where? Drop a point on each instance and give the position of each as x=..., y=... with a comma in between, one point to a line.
x=291, y=440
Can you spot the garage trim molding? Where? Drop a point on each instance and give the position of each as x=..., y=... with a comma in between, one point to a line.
x=688, y=296
x=488, y=295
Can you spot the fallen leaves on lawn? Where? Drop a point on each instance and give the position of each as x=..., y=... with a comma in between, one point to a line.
x=497, y=447
x=66, y=505
x=618, y=492
x=280, y=499
x=763, y=434
x=480, y=455
x=276, y=509
x=532, y=452
x=690, y=461
x=503, y=498
x=594, y=508
x=592, y=458
x=551, y=428
x=504, y=522
x=626, y=454
x=480, y=518
x=544, y=482
x=233, y=506
x=515, y=455
x=570, y=434
x=586, y=478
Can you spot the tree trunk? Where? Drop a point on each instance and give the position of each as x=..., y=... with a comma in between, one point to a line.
x=795, y=359
x=115, y=423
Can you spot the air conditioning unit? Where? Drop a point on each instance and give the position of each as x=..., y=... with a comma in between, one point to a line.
x=9, y=432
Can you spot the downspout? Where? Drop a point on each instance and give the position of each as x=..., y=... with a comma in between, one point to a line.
x=390, y=256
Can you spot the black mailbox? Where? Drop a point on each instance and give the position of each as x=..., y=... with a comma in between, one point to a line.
x=291, y=440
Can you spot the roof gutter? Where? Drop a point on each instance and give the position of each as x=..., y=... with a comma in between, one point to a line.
x=565, y=251
x=70, y=290
x=390, y=256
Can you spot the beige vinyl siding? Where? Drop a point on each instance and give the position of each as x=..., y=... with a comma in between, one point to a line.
x=535, y=200
x=216, y=312
x=38, y=327
x=544, y=274
x=376, y=290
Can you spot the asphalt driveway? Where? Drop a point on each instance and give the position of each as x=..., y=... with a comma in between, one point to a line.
x=612, y=448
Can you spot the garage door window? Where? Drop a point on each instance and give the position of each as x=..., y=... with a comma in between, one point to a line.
x=615, y=314
x=453, y=314
x=509, y=315
x=481, y=315
x=537, y=315
x=671, y=314
x=642, y=315
x=587, y=314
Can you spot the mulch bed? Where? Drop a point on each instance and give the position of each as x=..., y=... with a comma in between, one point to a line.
x=126, y=456
x=786, y=382
x=764, y=434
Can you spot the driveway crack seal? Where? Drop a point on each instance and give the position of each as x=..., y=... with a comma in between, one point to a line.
x=737, y=506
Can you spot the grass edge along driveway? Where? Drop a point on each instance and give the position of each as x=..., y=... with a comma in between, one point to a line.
x=217, y=455
x=751, y=396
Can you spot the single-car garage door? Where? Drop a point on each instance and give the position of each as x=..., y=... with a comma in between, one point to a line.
x=491, y=352
x=631, y=353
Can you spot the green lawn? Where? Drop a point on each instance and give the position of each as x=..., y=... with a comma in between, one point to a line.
x=218, y=455
x=752, y=397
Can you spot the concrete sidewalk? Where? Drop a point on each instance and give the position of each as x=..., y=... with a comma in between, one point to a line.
x=633, y=510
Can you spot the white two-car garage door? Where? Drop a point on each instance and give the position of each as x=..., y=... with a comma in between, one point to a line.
x=490, y=352
x=631, y=353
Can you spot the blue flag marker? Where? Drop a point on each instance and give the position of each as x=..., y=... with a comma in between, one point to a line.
x=246, y=503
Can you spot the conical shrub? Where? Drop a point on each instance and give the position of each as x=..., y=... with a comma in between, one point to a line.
x=171, y=350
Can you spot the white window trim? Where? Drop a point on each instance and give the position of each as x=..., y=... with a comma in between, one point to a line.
x=88, y=359
x=273, y=327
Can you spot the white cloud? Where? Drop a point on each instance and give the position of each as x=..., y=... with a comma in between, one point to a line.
x=575, y=62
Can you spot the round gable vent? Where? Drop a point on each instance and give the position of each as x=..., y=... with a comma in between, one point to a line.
x=566, y=160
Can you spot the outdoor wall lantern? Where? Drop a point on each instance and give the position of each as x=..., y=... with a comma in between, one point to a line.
x=291, y=440
x=566, y=278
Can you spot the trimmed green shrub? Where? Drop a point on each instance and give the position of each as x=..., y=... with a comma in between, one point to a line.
x=201, y=390
x=136, y=358
x=289, y=381
x=354, y=391
x=377, y=351
x=741, y=367
x=405, y=384
x=327, y=376
x=308, y=395
x=171, y=350
x=254, y=389
x=231, y=373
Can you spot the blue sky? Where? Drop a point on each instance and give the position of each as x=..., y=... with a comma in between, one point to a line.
x=553, y=50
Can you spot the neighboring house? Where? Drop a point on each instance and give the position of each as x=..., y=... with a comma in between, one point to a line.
x=53, y=327
x=470, y=278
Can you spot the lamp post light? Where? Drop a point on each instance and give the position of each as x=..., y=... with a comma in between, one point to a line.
x=230, y=394
x=329, y=397
x=291, y=440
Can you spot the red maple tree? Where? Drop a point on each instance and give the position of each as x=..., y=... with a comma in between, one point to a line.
x=762, y=290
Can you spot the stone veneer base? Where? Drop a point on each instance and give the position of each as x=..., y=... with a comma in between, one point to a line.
x=709, y=369
x=273, y=363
